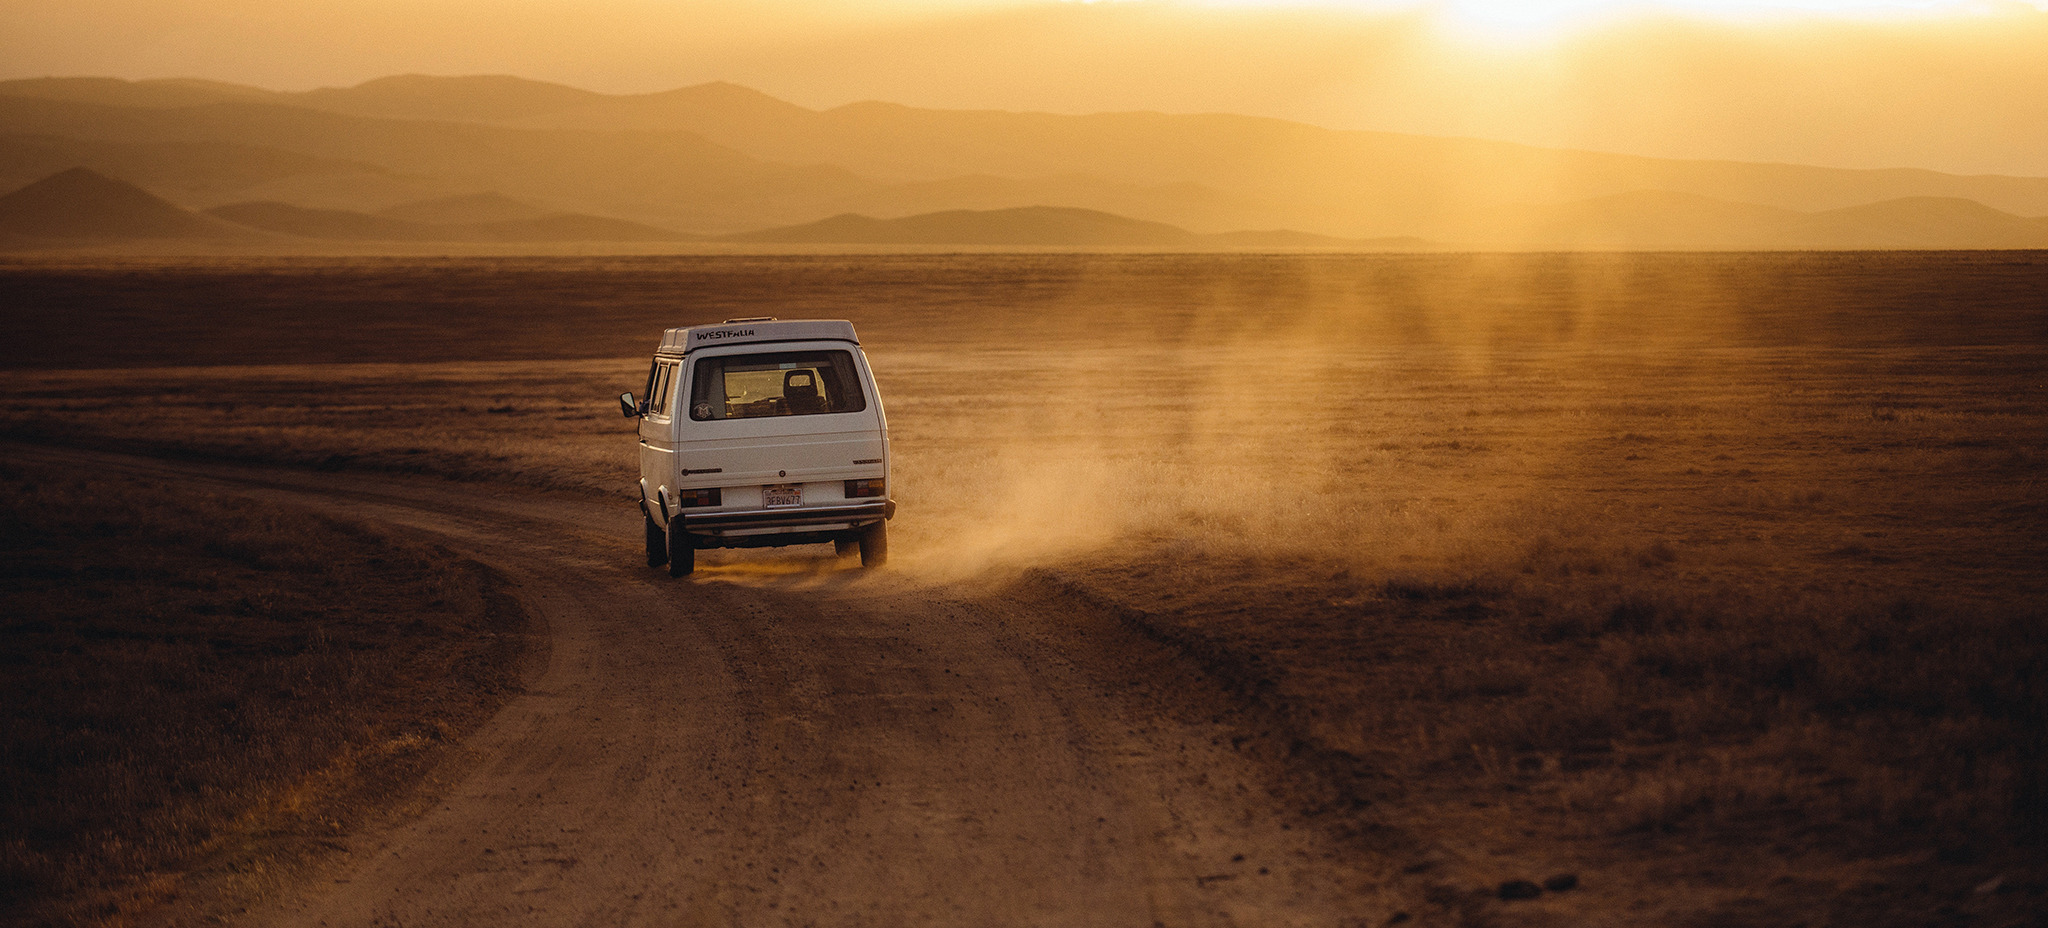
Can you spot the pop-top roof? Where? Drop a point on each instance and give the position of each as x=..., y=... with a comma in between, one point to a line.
x=752, y=331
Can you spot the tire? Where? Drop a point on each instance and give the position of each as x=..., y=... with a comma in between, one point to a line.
x=845, y=547
x=657, y=543
x=874, y=545
x=682, y=555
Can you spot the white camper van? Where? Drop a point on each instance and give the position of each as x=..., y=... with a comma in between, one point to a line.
x=762, y=433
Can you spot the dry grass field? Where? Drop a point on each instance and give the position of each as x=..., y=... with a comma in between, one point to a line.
x=198, y=683
x=1713, y=579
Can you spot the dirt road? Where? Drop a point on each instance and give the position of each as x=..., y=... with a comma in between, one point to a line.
x=790, y=740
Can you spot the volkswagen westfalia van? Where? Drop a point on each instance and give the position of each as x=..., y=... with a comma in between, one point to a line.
x=762, y=433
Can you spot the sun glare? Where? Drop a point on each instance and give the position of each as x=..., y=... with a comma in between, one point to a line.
x=1549, y=19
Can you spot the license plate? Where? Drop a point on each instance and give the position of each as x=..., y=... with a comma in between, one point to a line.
x=787, y=494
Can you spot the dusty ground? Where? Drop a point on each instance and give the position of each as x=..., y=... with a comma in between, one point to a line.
x=1709, y=580
x=801, y=742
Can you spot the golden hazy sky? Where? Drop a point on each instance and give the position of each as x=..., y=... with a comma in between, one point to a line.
x=1955, y=86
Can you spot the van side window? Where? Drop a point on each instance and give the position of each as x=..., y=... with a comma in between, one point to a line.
x=661, y=382
x=782, y=383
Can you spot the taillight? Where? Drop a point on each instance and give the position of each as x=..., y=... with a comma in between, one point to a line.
x=705, y=497
x=873, y=486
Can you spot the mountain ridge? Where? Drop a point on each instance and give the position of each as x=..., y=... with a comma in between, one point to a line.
x=1028, y=225
x=80, y=205
x=1046, y=226
x=346, y=225
x=721, y=159
x=1604, y=223
x=83, y=205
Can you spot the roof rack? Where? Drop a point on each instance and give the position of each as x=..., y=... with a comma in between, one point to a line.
x=749, y=319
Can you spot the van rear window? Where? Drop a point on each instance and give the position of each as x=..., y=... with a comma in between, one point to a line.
x=782, y=383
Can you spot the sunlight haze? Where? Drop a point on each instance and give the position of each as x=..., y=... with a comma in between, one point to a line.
x=1953, y=86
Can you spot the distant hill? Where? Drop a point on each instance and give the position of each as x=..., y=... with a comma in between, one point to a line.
x=740, y=111
x=81, y=204
x=479, y=98
x=569, y=227
x=1661, y=219
x=1290, y=239
x=720, y=158
x=184, y=171
x=339, y=224
x=674, y=178
x=1043, y=226
x=1923, y=222
x=1031, y=225
x=1182, y=204
x=1641, y=219
x=346, y=225
x=468, y=207
x=154, y=94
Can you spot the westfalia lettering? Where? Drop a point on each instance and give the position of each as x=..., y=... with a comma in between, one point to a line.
x=724, y=333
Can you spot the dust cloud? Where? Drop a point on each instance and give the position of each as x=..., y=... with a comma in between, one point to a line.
x=1418, y=414
x=1260, y=418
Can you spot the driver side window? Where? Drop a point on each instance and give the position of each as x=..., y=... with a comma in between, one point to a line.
x=661, y=388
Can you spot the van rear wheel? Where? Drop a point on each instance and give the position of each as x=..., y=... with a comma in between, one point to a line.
x=682, y=555
x=874, y=545
x=657, y=543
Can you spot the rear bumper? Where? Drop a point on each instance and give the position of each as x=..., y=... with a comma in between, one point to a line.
x=856, y=514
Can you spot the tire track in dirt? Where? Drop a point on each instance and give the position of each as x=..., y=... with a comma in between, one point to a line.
x=810, y=746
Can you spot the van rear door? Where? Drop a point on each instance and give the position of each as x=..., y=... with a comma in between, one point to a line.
x=791, y=414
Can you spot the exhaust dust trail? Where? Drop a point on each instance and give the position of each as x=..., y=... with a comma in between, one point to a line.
x=1270, y=416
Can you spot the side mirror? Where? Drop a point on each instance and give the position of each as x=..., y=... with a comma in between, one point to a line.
x=627, y=406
